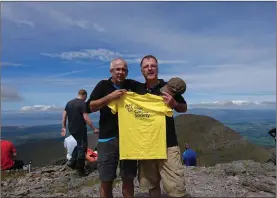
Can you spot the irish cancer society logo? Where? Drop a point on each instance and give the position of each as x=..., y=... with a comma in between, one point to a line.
x=129, y=107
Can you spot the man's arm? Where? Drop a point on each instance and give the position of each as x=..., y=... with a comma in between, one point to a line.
x=88, y=121
x=181, y=104
x=98, y=101
x=64, y=119
x=96, y=105
x=181, y=107
x=178, y=103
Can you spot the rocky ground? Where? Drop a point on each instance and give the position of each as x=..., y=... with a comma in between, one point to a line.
x=236, y=179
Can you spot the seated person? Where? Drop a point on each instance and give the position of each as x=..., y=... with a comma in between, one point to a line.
x=69, y=144
x=8, y=153
x=189, y=156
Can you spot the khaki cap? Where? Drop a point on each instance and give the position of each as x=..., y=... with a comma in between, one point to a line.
x=175, y=86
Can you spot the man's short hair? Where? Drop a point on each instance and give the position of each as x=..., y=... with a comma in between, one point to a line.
x=82, y=92
x=148, y=57
x=112, y=65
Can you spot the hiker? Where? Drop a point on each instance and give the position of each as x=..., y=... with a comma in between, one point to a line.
x=70, y=145
x=78, y=119
x=108, y=145
x=272, y=133
x=170, y=171
x=189, y=156
x=8, y=153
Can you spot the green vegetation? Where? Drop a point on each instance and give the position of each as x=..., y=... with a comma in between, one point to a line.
x=92, y=182
x=12, y=174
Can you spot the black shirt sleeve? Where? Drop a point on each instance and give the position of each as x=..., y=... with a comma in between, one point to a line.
x=96, y=94
x=136, y=86
x=84, y=108
x=180, y=99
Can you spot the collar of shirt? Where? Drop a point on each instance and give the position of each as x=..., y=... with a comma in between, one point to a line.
x=155, y=88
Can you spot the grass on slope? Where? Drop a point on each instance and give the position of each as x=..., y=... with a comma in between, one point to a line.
x=214, y=142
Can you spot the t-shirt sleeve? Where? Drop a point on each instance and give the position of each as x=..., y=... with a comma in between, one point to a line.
x=84, y=108
x=168, y=111
x=113, y=106
x=96, y=94
x=180, y=99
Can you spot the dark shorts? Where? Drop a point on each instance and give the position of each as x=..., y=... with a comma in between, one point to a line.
x=79, y=152
x=108, y=161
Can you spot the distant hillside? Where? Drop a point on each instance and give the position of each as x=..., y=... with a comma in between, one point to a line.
x=214, y=142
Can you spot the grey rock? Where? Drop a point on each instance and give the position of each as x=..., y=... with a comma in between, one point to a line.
x=237, y=179
x=87, y=191
x=22, y=192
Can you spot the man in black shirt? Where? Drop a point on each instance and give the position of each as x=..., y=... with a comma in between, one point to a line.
x=76, y=113
x=170, y=171
x=108, y=144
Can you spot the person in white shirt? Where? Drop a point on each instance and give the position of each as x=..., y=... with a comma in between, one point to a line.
x=69, y=144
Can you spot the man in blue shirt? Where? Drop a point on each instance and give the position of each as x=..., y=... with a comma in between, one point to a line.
x=189, y=156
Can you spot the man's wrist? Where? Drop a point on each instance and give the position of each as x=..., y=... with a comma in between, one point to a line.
x=175, y=105
x=108, y=98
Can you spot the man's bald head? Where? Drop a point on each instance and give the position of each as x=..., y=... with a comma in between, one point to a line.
x=118, y=61
x=119, y=70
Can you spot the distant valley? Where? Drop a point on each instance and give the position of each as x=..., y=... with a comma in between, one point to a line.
x=252, y=124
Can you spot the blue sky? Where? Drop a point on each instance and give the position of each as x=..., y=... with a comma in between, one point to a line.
x=226, y=52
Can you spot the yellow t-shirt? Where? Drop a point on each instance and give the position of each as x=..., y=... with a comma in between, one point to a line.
x=142, y=126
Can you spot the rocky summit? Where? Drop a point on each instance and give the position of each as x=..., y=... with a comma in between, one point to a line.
x=245, y=178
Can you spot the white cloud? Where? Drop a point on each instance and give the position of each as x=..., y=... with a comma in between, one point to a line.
x=98, y=27
x=40, y=108
x=213, y=59
x=235, y=104
x=12, y=64
x=65, y=20
x=14, y=14
x=258, y=78
x=66, y=74
x=105, y=55
x=10, y=94
x=100, y=54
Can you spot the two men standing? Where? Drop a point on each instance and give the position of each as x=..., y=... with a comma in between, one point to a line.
x=151, y=172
